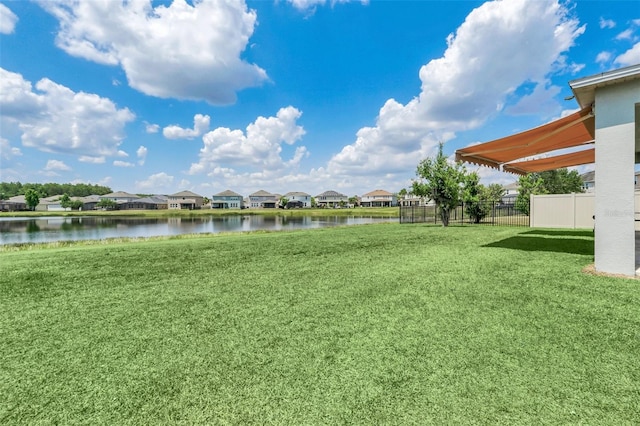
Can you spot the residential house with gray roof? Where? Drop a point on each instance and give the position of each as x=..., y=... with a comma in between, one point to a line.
x=588, y=181
x=155, y=202
x=227, y=200
x=331, y=199
x=119, y=196
x=13, y=204
x=263, y=200
x=185, y=200
x=298, y=199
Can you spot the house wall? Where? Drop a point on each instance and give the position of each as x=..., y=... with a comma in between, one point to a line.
x=174, y=203
x=305, y=199
x=257, y=202
x=615, y=161
x=332, y=200
x=379, y=201
x=232, y=203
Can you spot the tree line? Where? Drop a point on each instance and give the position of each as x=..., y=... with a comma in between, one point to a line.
x=11, y=189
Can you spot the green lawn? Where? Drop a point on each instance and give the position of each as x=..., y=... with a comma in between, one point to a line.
x=376, y=324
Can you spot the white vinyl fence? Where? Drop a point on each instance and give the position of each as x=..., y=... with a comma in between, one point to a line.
x=567, y=210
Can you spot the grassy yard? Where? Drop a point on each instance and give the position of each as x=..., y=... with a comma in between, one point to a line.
x=376, y=324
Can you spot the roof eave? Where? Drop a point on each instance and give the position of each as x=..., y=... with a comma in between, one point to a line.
x=584, y=88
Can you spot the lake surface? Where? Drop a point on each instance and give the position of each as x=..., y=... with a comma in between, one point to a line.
x=51, y=229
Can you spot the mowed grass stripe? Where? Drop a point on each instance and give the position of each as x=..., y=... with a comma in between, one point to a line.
x=367, y=324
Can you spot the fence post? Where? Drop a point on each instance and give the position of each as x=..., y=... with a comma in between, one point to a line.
x=573, y=209
x=493, y=213
x=531, y=208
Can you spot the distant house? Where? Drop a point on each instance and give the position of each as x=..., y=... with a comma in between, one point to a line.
x=379, y=198
x=331, y=199
x=263, y=200
x=589, y=181
x=89, y=202
x=510, y=193
x=13, y=204
x=411, y=200
x=298, y=200
x=50, y=204
x=155, y=202
x=227, y=200
x=119, y=196
x=185, y=200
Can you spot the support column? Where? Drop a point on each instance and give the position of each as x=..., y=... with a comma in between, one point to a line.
x=615, y=161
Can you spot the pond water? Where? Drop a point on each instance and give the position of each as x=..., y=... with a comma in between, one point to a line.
x=51, y=229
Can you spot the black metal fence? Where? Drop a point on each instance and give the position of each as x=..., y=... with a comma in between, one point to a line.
x=490, y=214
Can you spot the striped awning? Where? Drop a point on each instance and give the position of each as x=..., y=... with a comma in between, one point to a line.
x=571, y=131
x=586, y=156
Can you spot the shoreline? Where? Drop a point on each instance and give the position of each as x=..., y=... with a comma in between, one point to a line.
x=357, y=211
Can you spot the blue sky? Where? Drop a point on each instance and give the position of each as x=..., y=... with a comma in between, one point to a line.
x=297, y=95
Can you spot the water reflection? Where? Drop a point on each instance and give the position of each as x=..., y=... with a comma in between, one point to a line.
x=50, y=229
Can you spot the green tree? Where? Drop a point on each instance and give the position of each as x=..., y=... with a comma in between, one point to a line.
x=314, y=203
x=32, y=199
x=475, y=198
x=528, y=184
x=494, y=192
x=107, y=204
x=441, y=182
x=10, y=189
x=561, y=181
x=353, y=200
x=76, y=204
x=65, y=201
x=283, y=202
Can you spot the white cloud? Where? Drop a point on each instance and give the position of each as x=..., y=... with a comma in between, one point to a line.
x=606, y=23
x=53, y=165
x=142, y=154
x=152, y=128
x=603, y=57
x=119, y=163
x=106, y=181
x=7, y=151
x=184, y=51
x=306, y=5
x=625, y=35
x=92, y=160
x=53, y=118
x=259, y=147
x=158, y=182
x=200, y=126
x=8, y=20
x=499, y=47
x=540, y=101
x=630, y=57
